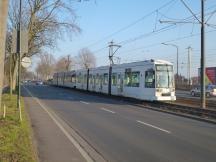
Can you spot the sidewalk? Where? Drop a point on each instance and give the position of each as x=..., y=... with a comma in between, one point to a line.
x=52, y=144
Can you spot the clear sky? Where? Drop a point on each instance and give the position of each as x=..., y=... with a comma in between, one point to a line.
x=125, y=22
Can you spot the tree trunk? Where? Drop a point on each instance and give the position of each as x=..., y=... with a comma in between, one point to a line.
x=3, y=22
x=14, y=76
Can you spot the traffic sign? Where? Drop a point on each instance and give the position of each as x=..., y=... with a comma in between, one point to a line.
x=26, y=62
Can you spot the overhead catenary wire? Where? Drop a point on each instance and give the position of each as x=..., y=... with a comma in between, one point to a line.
x=101, y=49
x=156, y=31
x=169, y=27
x=159, y=43
x=155, y=44
x=190, y=10
x=131, y=24
x=172, y=40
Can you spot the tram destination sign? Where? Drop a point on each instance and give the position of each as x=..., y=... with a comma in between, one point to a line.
x=164, y=68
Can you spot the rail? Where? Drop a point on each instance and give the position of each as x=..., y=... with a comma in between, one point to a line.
x=195, y=102
x=205, y=114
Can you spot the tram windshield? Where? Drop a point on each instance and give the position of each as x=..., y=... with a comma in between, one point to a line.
x=164, y=76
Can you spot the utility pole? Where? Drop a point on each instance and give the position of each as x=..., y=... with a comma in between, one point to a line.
x=202, y=59
x=189, y=65
x=3, y=26
x=111, y=54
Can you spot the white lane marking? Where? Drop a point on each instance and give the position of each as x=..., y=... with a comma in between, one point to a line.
x=84, y=102
x=71, y=139
x=141, y=122
x=71, y=98
x=108, y=110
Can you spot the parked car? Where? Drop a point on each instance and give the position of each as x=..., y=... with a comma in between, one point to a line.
x=39, y=83
x=210, y=91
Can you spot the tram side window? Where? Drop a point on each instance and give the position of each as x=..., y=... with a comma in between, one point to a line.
x=79, y=78
x=105, y=79
x=90, y=79
x=101, y=79
x=119, y=79
x=135, y=79
x=73, y=78
x=96, y=79
x=149, y=79
x=114, y=79
x=132, y=79
x=127, y=79
x=85, y=79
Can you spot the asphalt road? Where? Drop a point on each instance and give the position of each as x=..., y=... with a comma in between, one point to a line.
x=126, y=133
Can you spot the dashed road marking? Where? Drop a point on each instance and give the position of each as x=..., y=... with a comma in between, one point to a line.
x=141, y=122
x=84, y=102
x=108, y=110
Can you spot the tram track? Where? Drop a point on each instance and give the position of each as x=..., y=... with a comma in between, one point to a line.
x=210, y=104
x=182, y=107
x=208, y=115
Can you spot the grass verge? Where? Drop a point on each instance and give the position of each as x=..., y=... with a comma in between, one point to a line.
x=15, y=136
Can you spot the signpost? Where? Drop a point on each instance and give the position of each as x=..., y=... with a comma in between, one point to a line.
x=20, y=47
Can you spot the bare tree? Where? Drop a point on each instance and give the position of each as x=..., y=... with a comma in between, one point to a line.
x=46, y=22
x=69, y=62
x=27, y=75
x=3, y=20
x=65, y=63
x=86, y=59
x=45, y=66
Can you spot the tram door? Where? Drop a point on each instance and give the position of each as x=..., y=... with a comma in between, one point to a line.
x=120, y=84
x=94, y=82
x=101, y=82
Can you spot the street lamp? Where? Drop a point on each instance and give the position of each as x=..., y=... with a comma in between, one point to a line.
x=169, y=44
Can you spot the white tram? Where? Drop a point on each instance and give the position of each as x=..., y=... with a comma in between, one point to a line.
x=146, y=80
